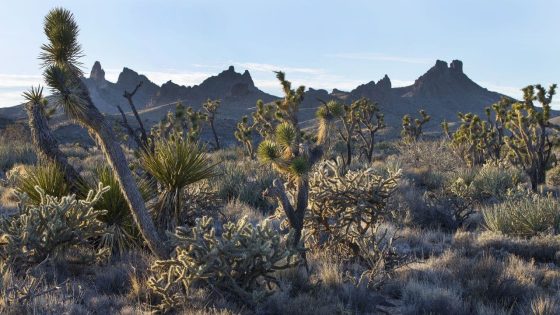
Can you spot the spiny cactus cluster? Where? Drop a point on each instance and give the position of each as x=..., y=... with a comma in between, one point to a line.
x=412, y=129
x=240, y=261
x=347, y=205
x=51, y=228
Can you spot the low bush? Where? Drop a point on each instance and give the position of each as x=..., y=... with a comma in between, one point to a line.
x=525, y=215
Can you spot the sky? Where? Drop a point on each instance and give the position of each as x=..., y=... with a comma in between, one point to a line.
x=504, y=44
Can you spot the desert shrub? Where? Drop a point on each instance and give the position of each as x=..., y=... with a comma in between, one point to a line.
x=175, y=164
x=12, y=153
x=49, y=177
x=524, y=215
x=425, y=177
x=553, y=176
x=239, y=262
x=50, y=228
x=495, y=180
x=244, y=181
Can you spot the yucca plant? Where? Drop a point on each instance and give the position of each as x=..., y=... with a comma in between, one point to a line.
x=48, y=176
x=175, y=164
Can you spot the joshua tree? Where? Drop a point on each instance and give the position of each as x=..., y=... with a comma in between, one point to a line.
x=265, y=119
x=370, y=121
x=531, y=141
x=347, y=126
x=211, y=108
x=60, y=56
x=44, y=140
x=244, y=134
x=412, y=130
x=292, y=156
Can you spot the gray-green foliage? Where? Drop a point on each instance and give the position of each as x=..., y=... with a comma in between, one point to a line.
x=238, y=262
x=51, y=228
x=244, y=181
x=524, y=214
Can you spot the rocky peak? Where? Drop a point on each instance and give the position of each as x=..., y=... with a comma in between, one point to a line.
x=384, y=84
x=97, y=73
x=456, y=66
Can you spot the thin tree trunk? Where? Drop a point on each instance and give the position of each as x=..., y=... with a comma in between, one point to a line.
x=215, y=134
x=47, y=145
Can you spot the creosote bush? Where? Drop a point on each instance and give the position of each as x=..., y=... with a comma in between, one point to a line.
x=50, y=228
x=239, y=262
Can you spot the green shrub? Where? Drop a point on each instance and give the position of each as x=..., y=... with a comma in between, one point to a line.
x=553, y=176
x=524, y=215
x=47, y=176
x=495, y=181
x=50, y=228
x=244, y=181
x=239, y=262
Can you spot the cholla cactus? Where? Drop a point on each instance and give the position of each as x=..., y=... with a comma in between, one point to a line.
x=347, y=205
x=239, y=262
x=412, y=130
x=531, y=141
x=51, y=228
x=244, y=134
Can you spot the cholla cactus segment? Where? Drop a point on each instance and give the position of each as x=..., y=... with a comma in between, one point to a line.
x=51, y=227
x=238, y=262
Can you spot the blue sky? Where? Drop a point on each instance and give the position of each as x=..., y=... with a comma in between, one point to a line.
x=504, y=44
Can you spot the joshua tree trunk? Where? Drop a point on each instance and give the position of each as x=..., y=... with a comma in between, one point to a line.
x=90, y=117
x=47, y=145
x=215, y=134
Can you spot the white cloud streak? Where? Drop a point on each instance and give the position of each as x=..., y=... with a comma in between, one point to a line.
x=381, y=57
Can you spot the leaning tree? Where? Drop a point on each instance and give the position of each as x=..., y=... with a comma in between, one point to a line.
x=62, y=73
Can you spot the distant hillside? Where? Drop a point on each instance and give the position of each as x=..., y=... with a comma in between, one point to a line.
x=442, y=91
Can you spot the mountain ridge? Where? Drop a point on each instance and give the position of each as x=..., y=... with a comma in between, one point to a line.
x=443, y=90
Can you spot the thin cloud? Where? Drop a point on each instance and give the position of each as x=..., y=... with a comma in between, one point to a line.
x=19, y=80
x=265, y=67
x=381, y=57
